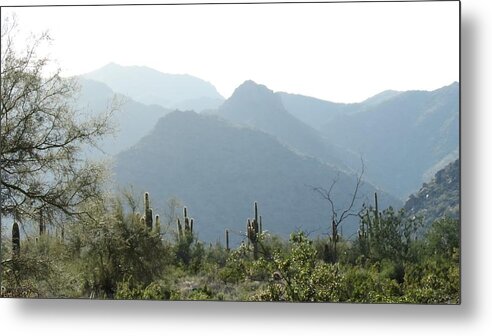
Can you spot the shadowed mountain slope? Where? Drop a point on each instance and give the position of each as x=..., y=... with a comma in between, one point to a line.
x=219, y=169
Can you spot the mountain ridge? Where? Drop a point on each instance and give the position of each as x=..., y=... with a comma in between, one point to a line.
x=257, y=106
x=402, y=138
x=218, y=169
x=149, y=86
x=132, y=120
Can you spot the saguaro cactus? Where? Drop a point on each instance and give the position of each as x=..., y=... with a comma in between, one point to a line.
x=157, y=227
x=370, y=222
x=148, y=211
x=227, y=239
x=187, y=230
x=15, y=241
x=253, y=229
x=180, y=229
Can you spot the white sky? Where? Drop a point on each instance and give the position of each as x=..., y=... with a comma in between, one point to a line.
x=338, y=52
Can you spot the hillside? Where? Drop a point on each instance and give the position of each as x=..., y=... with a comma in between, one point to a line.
x=439, y=197
x=149, y=86
x=402, y=138
x=131, y=121
x=257, y=106
x=218, y=170
x=317, y=112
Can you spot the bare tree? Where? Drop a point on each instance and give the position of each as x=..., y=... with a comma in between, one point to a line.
x=339, y=215
x=171, y=214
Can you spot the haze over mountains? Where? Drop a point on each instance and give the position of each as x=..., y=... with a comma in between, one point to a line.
x=149, y=86
x=131, y=121
x=270, y=147
x=405, y=139
x=317, y=113
x=257, y=106
x=219, y=169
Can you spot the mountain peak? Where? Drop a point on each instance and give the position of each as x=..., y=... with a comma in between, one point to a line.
x=253, y=95
x=249, y=82
x=250, y=87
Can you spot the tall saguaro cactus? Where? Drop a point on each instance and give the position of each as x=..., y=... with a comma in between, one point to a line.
x=147, y=211
x=147, y=218
x=254, y=229
x=157, y=226
x=15, y=241
x=370, y=221
x=187, y=230
x=227, y=239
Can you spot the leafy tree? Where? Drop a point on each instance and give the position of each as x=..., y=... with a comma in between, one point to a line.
x=43, y=174
x=41, y=161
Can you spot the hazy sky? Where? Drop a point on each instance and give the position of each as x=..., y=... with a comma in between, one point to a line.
x=338, y=52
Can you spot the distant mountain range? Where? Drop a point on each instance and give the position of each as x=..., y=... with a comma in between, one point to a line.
x=131, y=121
x=149, y=86
x=403, y=139
x=270, y=147
x=256, y=106
x=219, y=169
x=317, y=113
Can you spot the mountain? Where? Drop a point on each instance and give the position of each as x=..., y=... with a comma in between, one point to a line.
x=439, y=197
x=149, y=86
x=402, y=138
x=317, y=112
x=313, y=111
x=379, y=98
x=132, y=120
x=257, y=106
x=218, y=169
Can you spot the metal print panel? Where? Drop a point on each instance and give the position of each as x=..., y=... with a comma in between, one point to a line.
x=303, y=152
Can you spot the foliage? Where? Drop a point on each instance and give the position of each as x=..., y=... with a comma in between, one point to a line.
x=436, y=280
x=443, y=238
x=154, y=291
x=388, y=235
x=369, y=285
x=300, y=276
x=42, y=136
x=118, y=257
x=114, y=246
x=43, y=269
